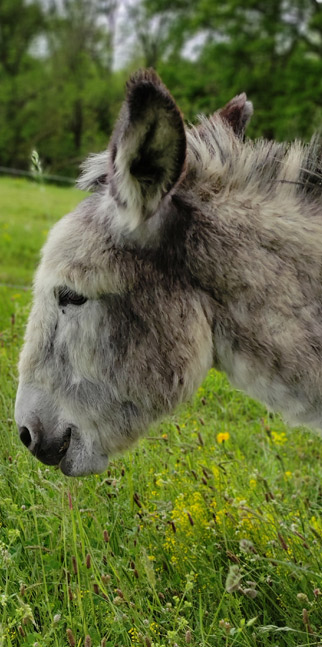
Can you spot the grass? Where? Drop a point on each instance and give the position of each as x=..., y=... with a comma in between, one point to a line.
x=208, y=533
x=27, y=211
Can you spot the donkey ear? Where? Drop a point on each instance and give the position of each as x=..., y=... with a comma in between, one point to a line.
x=148, y=148
x=237, y=112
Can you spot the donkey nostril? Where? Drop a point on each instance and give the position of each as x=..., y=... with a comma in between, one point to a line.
x=66, y=441
x=25, y=436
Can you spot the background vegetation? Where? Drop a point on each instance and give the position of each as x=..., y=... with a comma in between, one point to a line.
x=63, y=64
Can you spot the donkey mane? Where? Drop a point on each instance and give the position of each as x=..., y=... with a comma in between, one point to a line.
x=94, y=171
x=214, y=153
x=256, y=166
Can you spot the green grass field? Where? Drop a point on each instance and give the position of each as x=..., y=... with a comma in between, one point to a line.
x=208, y=534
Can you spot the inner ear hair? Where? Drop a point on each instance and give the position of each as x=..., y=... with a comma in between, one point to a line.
x=148, y=147
x=237, y=113
x=145, y=89
x=161, y=151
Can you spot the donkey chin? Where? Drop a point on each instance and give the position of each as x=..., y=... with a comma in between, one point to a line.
x=53, y=440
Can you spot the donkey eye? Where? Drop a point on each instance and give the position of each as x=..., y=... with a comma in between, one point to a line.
x=67, y=296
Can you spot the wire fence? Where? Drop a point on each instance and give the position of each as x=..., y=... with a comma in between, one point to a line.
x=43, y=177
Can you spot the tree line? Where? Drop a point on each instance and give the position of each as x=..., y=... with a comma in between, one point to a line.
x=61, y=85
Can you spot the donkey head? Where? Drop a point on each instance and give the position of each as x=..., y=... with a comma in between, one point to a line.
x=120, y=330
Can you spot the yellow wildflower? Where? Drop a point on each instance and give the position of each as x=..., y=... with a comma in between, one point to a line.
x=278, y=438
x=222, y=437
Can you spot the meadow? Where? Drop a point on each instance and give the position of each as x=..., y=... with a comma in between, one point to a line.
x=208, y=533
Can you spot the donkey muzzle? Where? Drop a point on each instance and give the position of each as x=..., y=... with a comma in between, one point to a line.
x=53, y=439
x=50, y=453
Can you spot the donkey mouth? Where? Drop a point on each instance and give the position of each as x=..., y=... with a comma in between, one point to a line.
x=78, y=455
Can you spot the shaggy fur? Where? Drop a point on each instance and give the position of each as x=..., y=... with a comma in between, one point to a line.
x=195, y=249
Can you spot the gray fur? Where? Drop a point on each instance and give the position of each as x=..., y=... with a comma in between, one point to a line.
x=207, y=254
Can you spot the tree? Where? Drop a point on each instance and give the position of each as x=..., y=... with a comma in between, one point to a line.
x=78, y=67
x=59, y=96
x=19, y=74
x=272, y=50
x=16, y=35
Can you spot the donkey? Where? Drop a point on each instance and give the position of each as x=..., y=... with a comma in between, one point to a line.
x=195, y=249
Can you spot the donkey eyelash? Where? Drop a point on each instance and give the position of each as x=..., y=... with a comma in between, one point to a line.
x=67, y=296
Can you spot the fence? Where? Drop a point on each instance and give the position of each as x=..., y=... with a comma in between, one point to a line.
x=38, y=177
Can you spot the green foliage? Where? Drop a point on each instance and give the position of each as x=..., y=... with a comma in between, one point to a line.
x=208, y=533
x=19, y=23
x=64, y=104
x=270, y=50
x=19, y=74
x=60, y=93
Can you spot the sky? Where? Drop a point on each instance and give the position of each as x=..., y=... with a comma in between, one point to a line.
x=124, y=39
